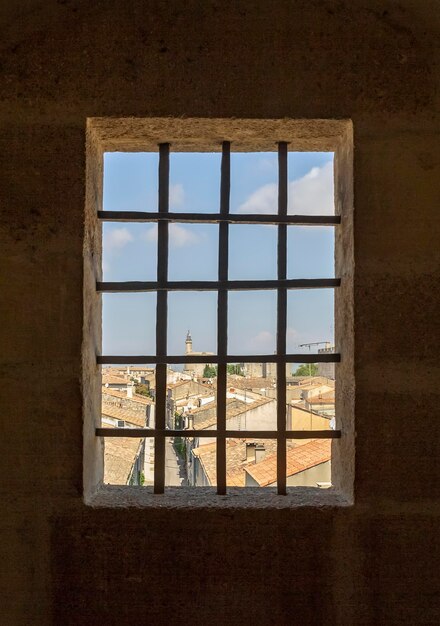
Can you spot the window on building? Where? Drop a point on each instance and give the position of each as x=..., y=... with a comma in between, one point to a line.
x=223, y=315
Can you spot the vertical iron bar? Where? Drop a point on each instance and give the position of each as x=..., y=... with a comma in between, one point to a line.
x=281, y=320
x=161, y=320
x=222, y=317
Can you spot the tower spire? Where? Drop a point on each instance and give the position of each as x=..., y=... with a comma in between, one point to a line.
x=188, y=343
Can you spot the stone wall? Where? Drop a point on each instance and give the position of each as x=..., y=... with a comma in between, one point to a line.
x=372, y=61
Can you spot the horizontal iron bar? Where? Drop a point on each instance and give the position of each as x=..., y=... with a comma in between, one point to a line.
x=233, y=434
x=214, y=358
x=216, y=218
x=213, y=285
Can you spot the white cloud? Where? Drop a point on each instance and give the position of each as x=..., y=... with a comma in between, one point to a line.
x=179, y=235
x=310, y=195
x=117, y=238
x=267, y=164
x=264, y=341
x=150, y=234
x=313, y=193
x=264, y=200
x=177, y=195
x=292, y=335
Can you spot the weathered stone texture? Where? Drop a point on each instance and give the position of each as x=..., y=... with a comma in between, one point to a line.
x=374, y=61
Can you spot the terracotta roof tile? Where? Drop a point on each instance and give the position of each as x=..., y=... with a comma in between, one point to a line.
x=236, y=462
x=112, y=379
x=122, y=414
x=299, y=458
x=122, y=394
x=324, y=398
x=119, y=457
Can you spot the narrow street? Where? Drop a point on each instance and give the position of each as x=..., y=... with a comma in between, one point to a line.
x=175, y=474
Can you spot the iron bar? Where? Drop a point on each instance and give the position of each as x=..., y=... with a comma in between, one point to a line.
x=161, y=320
x=232, y=434
x=212, y=285
x=222, y=317
x=152, y=359
x=281, y=320
x=216, y=218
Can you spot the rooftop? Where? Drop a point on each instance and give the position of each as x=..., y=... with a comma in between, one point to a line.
x=234, y=407
x=299, y=458
x=123, y=395
x=119, y=457
x=236, y=462
x=181, y=383
x=323, y=398
x=122, y=414
x=241, y=382
x=113, y=379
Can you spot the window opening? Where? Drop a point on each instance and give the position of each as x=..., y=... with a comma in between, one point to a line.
x=224, y=423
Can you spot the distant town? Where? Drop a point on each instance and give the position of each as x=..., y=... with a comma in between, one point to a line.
x=128, y=401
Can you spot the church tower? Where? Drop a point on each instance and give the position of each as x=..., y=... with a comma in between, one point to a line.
x=188, y=343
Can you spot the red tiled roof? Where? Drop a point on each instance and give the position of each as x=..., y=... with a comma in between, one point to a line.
x=324, y=398
x=111, y=379
x=299, y=459
x=119, y=457
x=122, y=394
x=118, y=413
x=236, y=461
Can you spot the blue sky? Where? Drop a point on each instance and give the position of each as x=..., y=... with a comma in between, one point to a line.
x=130, y=250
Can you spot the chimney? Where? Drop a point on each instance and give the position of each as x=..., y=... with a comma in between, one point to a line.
x=250, y=452
x=190, y=422
x=260, y=452
x=129, y=390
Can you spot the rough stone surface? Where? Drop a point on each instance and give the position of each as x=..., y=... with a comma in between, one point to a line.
x=373, y=61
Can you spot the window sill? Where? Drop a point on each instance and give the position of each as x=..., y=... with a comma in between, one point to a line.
x=114, y=496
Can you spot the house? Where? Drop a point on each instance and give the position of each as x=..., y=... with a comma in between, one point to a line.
x=259, y=415
x=119, y=417
x=300, y=417
x=308, y=465
x=239, y=454
x=322, y=403
x=326, y=369
x=133, y=402
x=253, y=463
x=183, y=397
x=124, y=461
x=112, y=381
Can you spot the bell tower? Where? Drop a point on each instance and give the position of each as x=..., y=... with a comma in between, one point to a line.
x=188, y=343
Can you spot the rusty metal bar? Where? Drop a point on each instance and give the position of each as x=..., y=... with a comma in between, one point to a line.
x=281, y=321
x=161, y=320
x=222, y=317
x=212, y=285
x=233, y=434
x=213, y=358
x=216, y=218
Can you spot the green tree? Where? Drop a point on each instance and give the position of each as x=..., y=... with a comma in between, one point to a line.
x=235, y=369
x=142, y=390
x=209, y=371
x=307, y=369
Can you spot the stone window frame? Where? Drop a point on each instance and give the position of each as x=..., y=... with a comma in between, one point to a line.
x=208, y=135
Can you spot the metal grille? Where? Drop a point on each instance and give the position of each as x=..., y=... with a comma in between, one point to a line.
x=222, y=286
